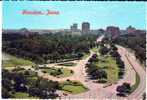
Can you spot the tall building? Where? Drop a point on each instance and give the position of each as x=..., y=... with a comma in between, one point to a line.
x=113, y=31
x=85, y=27
x=74, y=27
x=130, y=29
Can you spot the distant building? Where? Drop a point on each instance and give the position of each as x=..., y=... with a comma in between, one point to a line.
x=130, y=29
x=93, y=31
x=113, y=32
x=85, y=27
x=101, y=31
x=139, y=32
x=22, y=31
x=74, y=27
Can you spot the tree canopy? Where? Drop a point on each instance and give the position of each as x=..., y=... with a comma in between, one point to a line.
x=41, y=48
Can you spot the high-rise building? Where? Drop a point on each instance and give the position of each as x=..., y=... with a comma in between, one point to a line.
x=113, y=31
x=130, y=29
x=74, y=27
x=85, y=27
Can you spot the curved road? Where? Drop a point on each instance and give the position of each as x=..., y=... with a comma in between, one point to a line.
x=137, y=94
x=96, y=91
x=133, y=67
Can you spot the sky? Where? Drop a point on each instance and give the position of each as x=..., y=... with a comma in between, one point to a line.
x=98, y=14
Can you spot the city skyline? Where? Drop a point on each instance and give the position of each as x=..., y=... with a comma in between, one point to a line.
x=98, y=14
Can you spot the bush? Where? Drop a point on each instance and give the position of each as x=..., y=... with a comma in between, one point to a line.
x=124, y=89
x=26, y=73
x=44, y=71
x=56, y=72
x=68, y=80
x=120, y=74
x=103, y=50
x=71, y=71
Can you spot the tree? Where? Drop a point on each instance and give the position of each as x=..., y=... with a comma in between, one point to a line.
x=120, y=63
x=99, y=74
x=71, y=71
x=6, y=93
x=103, y=50
x=120, y=73
x=7, y=84
x=56, y=72
x=41, y=48
x=115, y=54
x=79, y=55
x=144, y=96
x=135, y=41
x=34, y=91
x=124, y=89
x=44, y=89
x=113, y=47
x=18, y=82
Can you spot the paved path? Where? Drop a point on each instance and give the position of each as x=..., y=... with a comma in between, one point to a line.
x=79, y=71
x=96, y=91
x=137, y=94
x=132, y=68
x=129, y=75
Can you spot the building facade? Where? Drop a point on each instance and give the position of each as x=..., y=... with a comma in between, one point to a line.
x=113, y=32
x=85, y=27
x=74, y=27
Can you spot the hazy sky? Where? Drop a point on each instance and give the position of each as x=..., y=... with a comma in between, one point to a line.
x=98, y=14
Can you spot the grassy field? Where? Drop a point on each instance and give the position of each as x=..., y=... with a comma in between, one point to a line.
x=64, y=72
x=109, y=65
x=86, y=55
x=137, y=81
x=68, y=64
x=73, y=87
x=23, y=95
x=14, y=61
x=95, y=49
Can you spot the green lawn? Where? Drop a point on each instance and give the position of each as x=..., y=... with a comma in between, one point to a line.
x=54, y=72
x=68, y=64
x=14, y=61
x=31, y=80
x=66, y=73
x=137, y=81
x=86, y=55
x=73, y=87
x=108, y=63
x=23, y=95
x=95, y=49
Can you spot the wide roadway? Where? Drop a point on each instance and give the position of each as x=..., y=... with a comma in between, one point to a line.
x=96, y=91
x=131, y=68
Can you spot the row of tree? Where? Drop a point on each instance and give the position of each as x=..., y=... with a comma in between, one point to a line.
x=50, y=47
x=136, y=42
x=125, y=88
x=93, y=71
x=114, y=53
x=112, y=50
